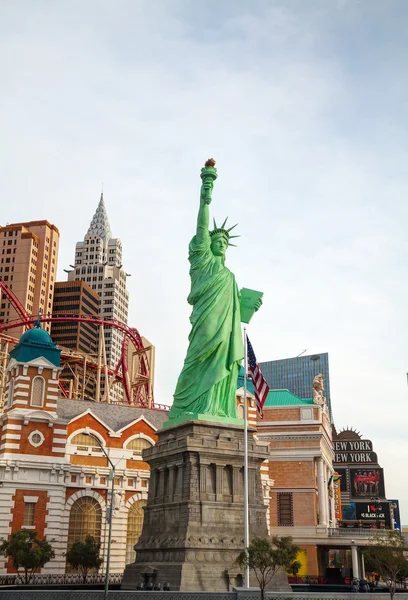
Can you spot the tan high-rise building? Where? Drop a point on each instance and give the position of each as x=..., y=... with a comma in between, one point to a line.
x=28, y=265
x=98, y=261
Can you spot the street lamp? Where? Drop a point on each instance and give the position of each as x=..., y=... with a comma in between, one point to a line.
x=112, y=477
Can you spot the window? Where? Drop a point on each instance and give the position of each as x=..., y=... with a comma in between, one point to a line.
x=85, y=442
x=138, y=444
x=37, y=391
x=134, y=528
x=285, y=509
x=36, y=438
x=29, y=514
x=10, y=392
x=85, y=519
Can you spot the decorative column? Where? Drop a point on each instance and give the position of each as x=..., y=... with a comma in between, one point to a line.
x=160, y=487
x=203, y=478
x=363, y=573
x=354, y=561
x=178, y=487
x=237, y=491
x=170, y=491
x=251, y=483
x=322, y=493
x=219, y=482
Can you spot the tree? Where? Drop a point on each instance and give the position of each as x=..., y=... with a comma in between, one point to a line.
x=265, y=558
x=84, y=556
x=386, y=556
x=294, y=568
x=27, y=552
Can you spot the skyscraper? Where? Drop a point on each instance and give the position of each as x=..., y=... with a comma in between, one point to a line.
x=28, y=265
x=297, y=374
x=76, y=297
x=98, y=261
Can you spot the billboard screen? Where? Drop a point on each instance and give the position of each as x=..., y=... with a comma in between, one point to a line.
x=378, y=511
x=349, y=511
x=396, y=514
x=367, y=483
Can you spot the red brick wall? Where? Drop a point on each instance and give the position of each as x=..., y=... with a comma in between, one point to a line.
x=292, y=474
x=304, y=510
x=40, y=515
x=46, y=446
x=90, y=461
x=282, y=414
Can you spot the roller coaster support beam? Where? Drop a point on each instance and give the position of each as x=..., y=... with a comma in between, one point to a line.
x=151, y=371
x=98, y=372
x=3, y=367
x=83, y=379
x=106, y=395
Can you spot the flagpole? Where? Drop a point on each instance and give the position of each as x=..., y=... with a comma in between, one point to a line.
x=246, y=498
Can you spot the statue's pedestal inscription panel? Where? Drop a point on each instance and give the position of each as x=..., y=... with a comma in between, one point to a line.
x=193, y=527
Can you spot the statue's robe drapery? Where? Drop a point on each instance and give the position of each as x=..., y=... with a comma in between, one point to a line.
x=207, y=383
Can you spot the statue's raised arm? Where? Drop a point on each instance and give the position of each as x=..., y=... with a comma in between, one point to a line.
x=208, y=176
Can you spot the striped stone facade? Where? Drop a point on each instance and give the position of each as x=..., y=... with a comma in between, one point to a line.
x=44, y=472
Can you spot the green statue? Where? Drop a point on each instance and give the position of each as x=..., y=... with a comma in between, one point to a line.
x=206, y=387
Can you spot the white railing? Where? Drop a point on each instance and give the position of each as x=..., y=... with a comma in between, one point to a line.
x=345, y=532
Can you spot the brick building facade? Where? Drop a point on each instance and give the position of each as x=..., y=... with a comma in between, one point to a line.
x=55, y=477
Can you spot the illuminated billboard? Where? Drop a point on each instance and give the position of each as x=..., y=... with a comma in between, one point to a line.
x=367, y=483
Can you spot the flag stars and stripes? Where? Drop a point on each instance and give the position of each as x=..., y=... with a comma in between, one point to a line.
x=261, y=387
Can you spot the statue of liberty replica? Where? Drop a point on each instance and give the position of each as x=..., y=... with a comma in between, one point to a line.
x=193, y=528
x=206, y=388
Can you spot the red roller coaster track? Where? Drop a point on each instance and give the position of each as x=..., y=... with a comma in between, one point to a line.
x=121, y=372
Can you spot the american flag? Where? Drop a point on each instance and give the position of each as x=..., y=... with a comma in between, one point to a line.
x=261, y=386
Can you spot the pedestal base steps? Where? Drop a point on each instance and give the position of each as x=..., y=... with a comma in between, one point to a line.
x=193, y=527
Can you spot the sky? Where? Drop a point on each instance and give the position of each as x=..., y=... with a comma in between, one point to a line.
x=304, y=107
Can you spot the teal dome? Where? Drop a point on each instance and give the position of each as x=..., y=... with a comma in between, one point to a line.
x=36, y=343
x=37, y=335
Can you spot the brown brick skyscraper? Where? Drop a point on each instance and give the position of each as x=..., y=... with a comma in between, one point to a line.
x=28, y=265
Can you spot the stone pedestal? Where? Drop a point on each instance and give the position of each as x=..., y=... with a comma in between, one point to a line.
x=193, y=525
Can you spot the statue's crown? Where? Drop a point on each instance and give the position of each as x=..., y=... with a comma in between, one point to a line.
x=221, y=230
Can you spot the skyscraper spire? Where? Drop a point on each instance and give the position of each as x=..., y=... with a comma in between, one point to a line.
x=100, y=222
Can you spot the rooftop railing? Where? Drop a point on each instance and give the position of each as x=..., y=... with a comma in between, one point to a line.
x=349, y=532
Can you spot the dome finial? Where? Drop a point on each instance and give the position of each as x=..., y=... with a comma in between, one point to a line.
x=37, y=324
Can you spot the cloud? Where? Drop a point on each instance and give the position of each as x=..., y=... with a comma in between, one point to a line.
x=302, y=105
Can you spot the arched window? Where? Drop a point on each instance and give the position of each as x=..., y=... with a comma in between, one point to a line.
x=10, y=392
x=134, y=529
x=84, y=442
x=138, y=444
x=240, y=411
x=85, y=518
x=37, y=391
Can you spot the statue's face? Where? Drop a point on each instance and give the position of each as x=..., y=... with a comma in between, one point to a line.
x=219, y=244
